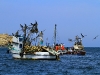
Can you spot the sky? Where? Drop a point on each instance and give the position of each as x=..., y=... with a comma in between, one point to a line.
x=71, y=16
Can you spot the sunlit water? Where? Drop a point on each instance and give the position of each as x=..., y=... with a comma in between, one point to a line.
x=67, y=65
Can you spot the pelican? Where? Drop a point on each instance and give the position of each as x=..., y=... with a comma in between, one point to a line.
x=83, y=35
x=70, y=40
x=95, y=37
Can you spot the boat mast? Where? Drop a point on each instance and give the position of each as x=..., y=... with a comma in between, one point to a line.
x=55, y=35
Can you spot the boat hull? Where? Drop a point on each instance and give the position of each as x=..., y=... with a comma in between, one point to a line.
x=81, y=53
x=70, y=52
x=61, y=52
x=37, y=55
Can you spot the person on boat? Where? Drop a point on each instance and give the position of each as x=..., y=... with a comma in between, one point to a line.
x=71, y=50
x=56, y=46
x=67, y=48
x=41, y=38
x=41, y=42
x=61, y=44
x=62, y=47
x=59, y=47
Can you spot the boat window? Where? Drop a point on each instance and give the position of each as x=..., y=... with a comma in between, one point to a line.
x=20, y=45
x=15, y=44
x=20, y=39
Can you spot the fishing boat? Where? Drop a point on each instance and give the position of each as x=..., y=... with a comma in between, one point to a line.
x=78, y=47
x=59, y=47
x=21, y=46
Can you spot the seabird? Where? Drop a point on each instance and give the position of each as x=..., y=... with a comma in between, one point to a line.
x=95, y=37
x=70, y=40
x=83, y=35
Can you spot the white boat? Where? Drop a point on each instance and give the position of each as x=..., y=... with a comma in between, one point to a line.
x=18, y=50
x=78, y=47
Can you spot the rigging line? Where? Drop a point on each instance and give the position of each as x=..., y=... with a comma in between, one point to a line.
x=57, y=36
x=57, y=40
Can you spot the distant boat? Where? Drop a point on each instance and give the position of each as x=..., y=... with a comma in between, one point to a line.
x=78, y=47
x=21, y=47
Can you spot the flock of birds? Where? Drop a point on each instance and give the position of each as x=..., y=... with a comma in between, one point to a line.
x=68, y=39
x=34, y=29
x=83, y=37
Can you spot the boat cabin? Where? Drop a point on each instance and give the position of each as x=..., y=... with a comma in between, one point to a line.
x=17, y=42
x=78, y=44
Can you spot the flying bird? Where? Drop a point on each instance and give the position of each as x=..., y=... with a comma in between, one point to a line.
x=95, y=37
x=43, y=30
x=83, y=35
x=70, y=40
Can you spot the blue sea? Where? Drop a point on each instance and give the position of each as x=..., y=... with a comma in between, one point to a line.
x=67, y=65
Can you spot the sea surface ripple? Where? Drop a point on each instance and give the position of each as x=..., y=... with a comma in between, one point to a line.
x=67, y=65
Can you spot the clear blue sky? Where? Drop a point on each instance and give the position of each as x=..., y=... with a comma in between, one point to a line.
x=71, y=16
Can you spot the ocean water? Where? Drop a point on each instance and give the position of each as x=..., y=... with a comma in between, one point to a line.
x=67, y=65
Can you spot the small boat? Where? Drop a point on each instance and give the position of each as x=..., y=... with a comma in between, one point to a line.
x=78, y=47
x=22, y=48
